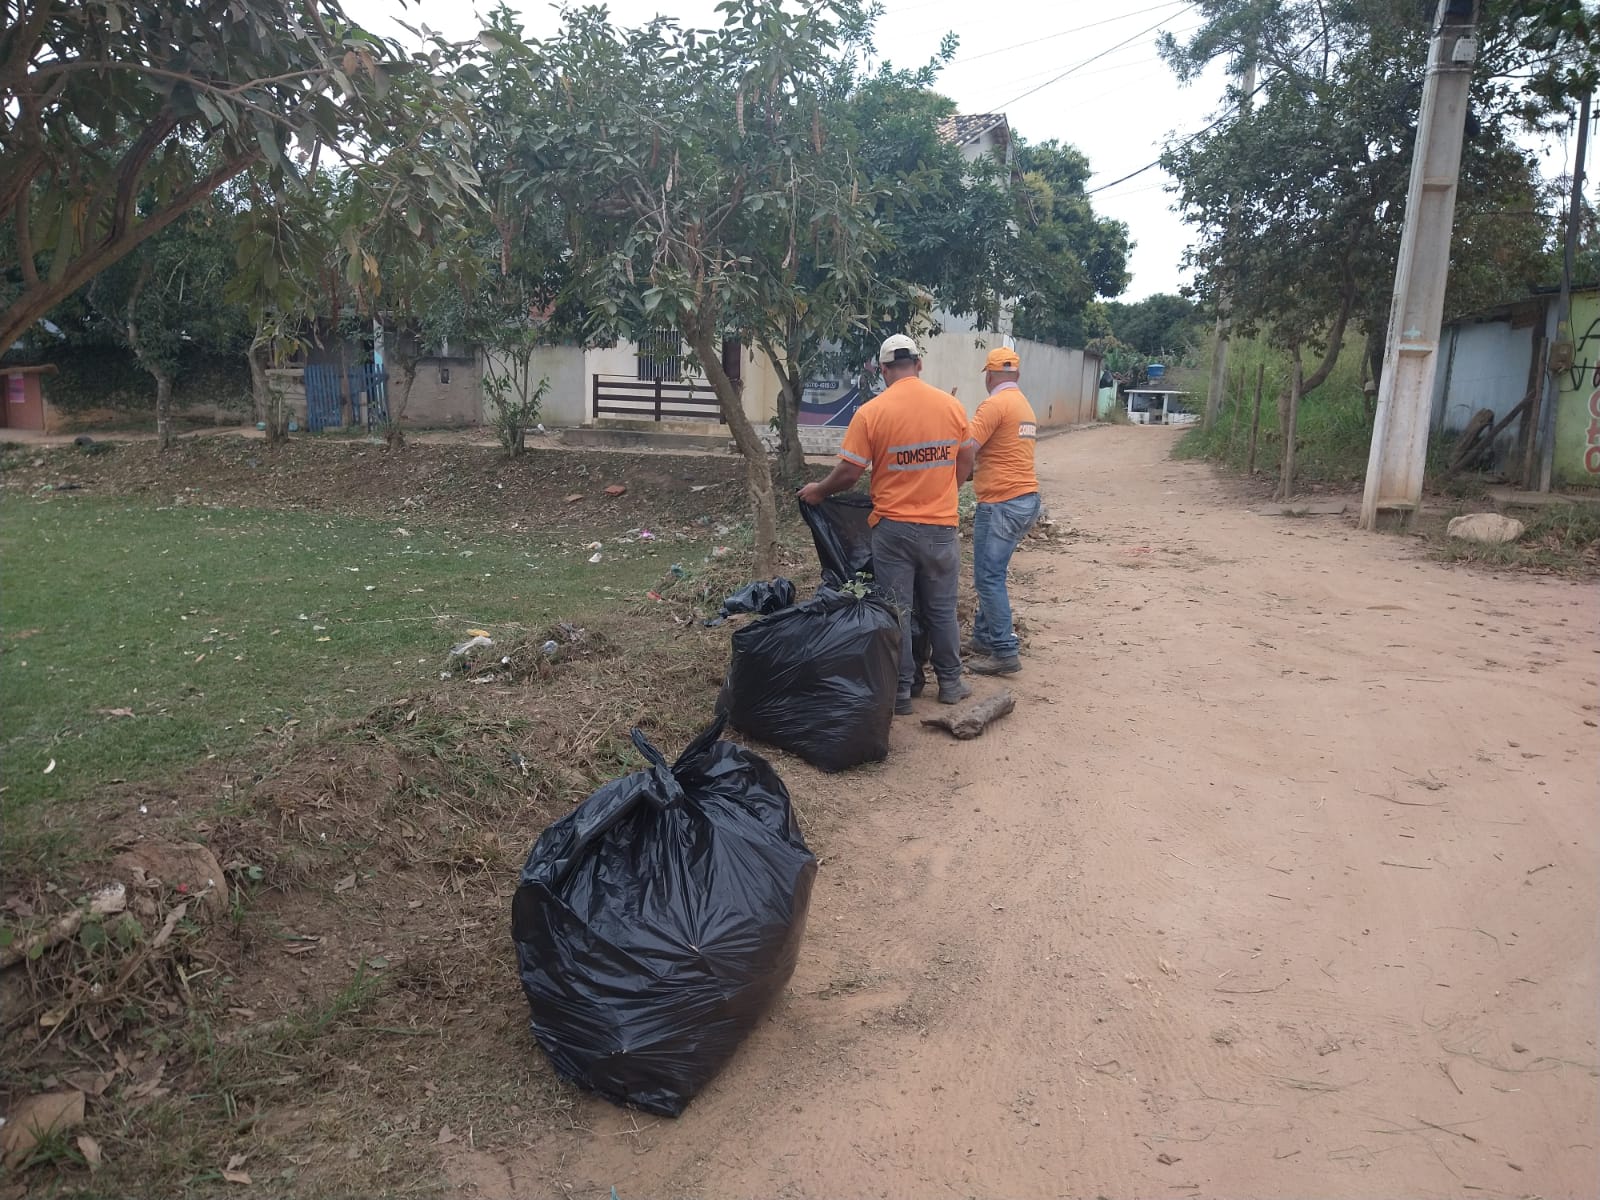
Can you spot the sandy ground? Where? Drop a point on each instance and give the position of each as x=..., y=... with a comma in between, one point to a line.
x=1280, y=881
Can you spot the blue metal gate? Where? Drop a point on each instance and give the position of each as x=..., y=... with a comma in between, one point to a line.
x=324, y=404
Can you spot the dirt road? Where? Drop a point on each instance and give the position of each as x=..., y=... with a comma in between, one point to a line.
x=1281, y=881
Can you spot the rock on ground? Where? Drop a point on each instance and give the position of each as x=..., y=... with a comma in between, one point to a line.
x=1491, y=528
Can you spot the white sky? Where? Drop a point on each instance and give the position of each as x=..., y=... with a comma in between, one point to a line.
x=1118, y=109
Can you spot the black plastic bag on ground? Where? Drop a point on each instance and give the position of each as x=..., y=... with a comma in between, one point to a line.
x=843, y=538
x=656, y=922
x=757, y=597
x=818, y=679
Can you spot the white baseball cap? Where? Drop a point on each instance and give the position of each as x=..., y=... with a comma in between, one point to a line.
x=897, y=348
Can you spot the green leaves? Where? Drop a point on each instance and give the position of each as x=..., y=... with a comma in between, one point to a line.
x=1297, y=206
x=166, y=108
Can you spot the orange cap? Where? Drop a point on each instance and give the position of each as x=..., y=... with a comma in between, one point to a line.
x=1002, y=358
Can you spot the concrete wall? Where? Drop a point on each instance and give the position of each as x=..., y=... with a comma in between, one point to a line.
x=1062, y=385
x=445, y=394
x=566, y=402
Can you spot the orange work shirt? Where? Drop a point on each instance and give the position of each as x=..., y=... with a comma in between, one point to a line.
x=1005, y=430
x=909, y=437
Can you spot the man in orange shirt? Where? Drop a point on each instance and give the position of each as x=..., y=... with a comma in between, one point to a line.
x=1004, y=431
x=914, y=438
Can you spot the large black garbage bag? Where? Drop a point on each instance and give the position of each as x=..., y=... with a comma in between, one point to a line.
x=656, y=922
x=818, y=679
x=843, y=539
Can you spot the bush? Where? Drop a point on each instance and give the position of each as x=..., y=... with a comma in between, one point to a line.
x=1334, y=428
x=94, y=377
x=515, y=408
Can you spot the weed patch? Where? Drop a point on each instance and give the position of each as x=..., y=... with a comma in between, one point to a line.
x=1560, y=539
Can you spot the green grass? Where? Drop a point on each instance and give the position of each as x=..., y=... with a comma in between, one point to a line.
x=1334, y=429
x=213, y=625
x=1562, y=539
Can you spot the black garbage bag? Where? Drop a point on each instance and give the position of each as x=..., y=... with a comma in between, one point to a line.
x=843, y=537
x=757, y=597
x=818, y=679
x=656, y=922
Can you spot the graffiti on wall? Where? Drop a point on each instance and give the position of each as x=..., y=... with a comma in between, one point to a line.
x=1578, y=401
x=1584, y=375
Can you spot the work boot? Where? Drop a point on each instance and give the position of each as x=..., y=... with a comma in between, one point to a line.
x=902, y=708
x=972, y=647
x=989, y=665
x=956, y=694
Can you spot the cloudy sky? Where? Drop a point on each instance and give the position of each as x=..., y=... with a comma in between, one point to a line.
x=1083, y=71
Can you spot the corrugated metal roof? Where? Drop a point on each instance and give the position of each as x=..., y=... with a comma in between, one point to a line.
x=963, y=128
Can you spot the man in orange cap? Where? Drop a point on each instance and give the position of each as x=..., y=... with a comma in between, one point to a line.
x=1004, y=431
x=914, y=438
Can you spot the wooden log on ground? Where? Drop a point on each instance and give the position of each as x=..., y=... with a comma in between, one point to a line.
x=972, y=719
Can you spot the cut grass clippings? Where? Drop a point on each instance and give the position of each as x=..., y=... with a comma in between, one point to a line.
x=357, y=993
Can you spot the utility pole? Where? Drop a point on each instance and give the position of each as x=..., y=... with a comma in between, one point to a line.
x=1219, y=344
x=1405, y=393
x=1552, y=386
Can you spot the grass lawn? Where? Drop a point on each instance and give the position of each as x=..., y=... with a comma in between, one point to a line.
x=137, y=639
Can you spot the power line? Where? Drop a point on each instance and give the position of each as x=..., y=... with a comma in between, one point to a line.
x=1065, y=32
x=1105, y=70
x=1152, y=165
x=1197, y=133
x=1087, y=61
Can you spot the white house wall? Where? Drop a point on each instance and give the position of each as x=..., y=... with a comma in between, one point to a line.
x=1061, y=384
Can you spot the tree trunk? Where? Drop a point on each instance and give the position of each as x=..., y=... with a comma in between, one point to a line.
x=1335, y=344
x=164, y=438
x=759, y=473
x=1290, y=414
x=792, y=460
x=394, y=435
x=260, y=395
x=1377, y=339
x=153, y=364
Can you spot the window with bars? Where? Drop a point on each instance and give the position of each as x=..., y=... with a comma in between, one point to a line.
x=660, y=355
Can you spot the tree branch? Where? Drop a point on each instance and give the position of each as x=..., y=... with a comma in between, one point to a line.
x=131, y=168
x=20, y=315
x=20, y=47
x=1335, y=339
x=22, y=219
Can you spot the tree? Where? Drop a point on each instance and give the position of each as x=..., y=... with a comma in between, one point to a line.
x=118, y=117
x=680, y=156
x=820, y=302
x=1157, y=326
x=167, y=295
x=523, y=297
x=1299, y=202
x=1066, y=255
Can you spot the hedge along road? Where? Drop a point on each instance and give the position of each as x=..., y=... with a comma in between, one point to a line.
x=1280, y=881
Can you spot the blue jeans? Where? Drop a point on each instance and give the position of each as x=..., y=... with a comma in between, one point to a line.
x=996, y=533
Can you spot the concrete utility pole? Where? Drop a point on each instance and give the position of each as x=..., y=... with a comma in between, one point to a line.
x=1405, y=393
x=1219, y=345
x=1552, y=385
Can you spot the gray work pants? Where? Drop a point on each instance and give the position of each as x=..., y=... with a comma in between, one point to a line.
x=920, y=565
